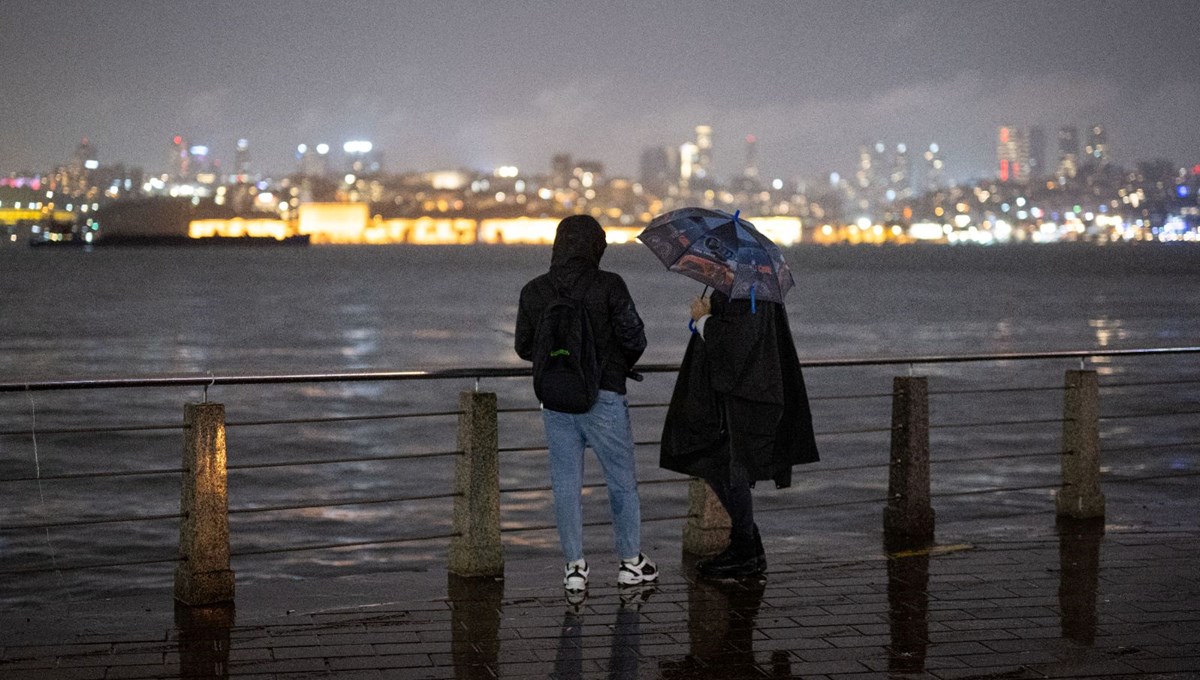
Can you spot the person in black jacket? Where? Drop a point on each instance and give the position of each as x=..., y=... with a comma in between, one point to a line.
x=620, y=339
x=739, y=414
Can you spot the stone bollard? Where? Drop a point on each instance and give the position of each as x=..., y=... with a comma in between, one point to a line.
x=707, y=528
x=908, y=517
x=203, y=577
x=1080, y=496
x=475, y=549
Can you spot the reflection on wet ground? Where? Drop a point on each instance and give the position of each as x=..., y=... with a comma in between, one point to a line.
x=1079, y=577
x=1075, y=599
x=204, y=640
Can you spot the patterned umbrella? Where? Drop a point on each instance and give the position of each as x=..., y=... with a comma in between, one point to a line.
x=719, y=250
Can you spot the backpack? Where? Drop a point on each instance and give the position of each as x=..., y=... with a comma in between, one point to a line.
x=566, y=370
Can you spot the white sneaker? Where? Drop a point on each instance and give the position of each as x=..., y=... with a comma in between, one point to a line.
x=575, y=576
x=637, y=571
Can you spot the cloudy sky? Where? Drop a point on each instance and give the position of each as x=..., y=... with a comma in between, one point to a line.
x=445, y=84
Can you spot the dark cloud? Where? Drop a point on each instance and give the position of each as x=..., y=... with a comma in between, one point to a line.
x=455, y=84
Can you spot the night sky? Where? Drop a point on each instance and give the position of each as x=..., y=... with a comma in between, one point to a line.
x=447, y=84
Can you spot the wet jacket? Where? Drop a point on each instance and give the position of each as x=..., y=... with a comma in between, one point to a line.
x=740, y=392
x=618, y=330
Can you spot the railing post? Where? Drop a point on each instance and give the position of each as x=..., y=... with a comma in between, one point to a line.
x=908, y=517
x=1080, y=496
x=203, y=577
x=475, y=549
x=707, y=529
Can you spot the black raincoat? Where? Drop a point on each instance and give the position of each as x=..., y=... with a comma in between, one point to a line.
x=740, y=392
x=620, y=336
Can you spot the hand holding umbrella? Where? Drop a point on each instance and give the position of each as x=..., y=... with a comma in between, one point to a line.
x=719, y=250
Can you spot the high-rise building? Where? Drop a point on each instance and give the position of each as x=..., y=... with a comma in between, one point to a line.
x=689, y=158
x=1037, y=152
x=312, y=161
x=899, y=186
x=241, y=160
x=750, y=172
x=83, y=161
x=1068, y=152
x=560, y=170
x=870, y=177
x=201, y=166
x=1097, y=144
x=178, y=161
x=1012, y=152
x=935, y=168
x=703, y=167
x=362, y=158
x=659, y=169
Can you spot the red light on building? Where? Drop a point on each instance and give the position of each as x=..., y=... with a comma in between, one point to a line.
x=1196, y=169
x=178, y=139
x=1004, y=135
x=1004, y=170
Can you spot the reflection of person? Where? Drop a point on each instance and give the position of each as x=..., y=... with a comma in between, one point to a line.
x=721, y=633
x=739, y=414
x=620, y=340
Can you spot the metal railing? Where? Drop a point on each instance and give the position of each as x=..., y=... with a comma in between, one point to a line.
x=908, y=496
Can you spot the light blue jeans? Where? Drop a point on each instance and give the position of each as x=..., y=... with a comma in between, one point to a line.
x=607, y=431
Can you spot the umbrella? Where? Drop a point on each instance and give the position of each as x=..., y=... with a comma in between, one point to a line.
x=719, y=250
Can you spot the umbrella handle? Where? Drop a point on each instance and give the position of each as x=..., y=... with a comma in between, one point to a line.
x=705, y=292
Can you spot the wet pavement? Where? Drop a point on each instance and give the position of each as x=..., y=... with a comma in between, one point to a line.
x=1038, y=600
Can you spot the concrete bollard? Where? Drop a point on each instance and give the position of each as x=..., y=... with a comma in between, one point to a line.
x=203, y=577
x=475, y=550
x=1080, y=496
x=908, y=517
x=707, y=529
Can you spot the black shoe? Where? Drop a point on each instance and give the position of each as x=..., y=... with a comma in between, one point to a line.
x=741, y=558
x=747, y=565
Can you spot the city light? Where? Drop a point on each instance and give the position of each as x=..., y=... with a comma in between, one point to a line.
x=357, y=146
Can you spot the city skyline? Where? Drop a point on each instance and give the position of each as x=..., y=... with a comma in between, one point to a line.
x=464, y=87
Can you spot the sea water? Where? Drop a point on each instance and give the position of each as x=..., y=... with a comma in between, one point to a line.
x=153, y=311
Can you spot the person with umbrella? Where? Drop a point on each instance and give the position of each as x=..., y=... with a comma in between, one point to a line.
x=739, y=411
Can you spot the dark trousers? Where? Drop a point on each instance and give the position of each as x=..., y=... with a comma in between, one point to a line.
x=732, y=487
x=731, y=484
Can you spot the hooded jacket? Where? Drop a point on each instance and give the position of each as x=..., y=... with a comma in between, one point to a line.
x=620, y=336
x=740, y=392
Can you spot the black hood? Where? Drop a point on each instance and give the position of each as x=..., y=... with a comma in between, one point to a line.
x=579, y=244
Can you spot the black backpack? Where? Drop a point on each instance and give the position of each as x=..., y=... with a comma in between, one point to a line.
x=566, y=370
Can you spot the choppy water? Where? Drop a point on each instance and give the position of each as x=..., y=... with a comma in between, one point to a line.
x=325, y=309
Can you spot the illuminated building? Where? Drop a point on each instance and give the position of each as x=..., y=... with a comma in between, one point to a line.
x=935, y=168
x=688, y=159
x=900, y=178
x=312, y=161
x=702, y=168
x=869, y=187
x=241, y=160
x=362, y=158
x=1068, y=153
x=1097, y=144
x=202, y=167
x=178, y=162
x=333, y=222
x=1012, y=152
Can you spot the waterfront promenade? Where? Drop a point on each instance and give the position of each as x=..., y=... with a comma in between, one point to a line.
x=1087, y=571
x=1026, y=600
